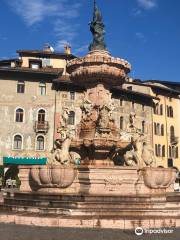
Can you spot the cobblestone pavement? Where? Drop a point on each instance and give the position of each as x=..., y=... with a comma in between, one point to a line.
x=18, y=232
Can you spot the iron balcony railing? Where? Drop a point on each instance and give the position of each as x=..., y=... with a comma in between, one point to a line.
x=41, y=127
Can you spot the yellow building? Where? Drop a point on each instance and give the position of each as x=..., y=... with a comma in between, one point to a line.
x=166, y=124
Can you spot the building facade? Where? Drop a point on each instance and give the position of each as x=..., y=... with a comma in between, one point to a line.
x=35, y=90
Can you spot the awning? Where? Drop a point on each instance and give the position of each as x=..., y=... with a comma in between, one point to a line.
x=24, y=161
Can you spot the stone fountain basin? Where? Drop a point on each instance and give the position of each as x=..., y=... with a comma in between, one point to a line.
x=53, y=176
x=100, y=143
x=158, y=178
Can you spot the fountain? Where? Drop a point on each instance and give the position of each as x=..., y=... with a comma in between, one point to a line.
x=106, y=177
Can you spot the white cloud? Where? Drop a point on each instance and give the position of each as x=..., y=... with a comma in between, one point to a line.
x=140, y=35
x=81, y=50
x=34, y=11
x=62, y=12
x=147, y=4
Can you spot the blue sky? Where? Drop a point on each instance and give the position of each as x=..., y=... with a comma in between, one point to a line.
x=144, y=32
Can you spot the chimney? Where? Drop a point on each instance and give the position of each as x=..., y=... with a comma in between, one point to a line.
x=67, y=49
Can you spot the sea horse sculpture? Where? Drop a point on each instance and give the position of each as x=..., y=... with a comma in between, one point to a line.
x=97, y=29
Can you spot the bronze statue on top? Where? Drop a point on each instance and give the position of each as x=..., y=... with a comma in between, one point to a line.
x=97, y=29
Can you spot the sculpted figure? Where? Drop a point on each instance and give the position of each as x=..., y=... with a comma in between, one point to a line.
x=104, y=117
x=86, y=109
x=148, y=155
x=97, y=29
x=130, y=158
x=61, y=155
x=64, y=117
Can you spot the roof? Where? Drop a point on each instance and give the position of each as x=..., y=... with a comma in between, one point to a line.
x=41, y=53
x=47, y=71
x=134, y=93
x=164, y=82
x=166, y=87
x=10, y=60
x=66, y=80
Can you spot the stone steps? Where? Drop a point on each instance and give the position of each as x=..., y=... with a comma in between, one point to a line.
x=98, y=212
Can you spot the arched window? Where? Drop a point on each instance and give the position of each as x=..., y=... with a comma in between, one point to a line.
x=143, y=126
x=163, y=151
x=19, y=115
x=162, y=130
x=17, y=142
x=172, y=133
x=41, y=116
x=40, y=143
x=161, y=109
x=121, y=123
x=71, y=118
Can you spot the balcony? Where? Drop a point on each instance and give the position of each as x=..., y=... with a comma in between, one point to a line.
x=174, y=140
x=41, y=127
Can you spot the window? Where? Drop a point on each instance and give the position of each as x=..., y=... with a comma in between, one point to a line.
x=156, y=107
x=20, y=87
x=72, y=96
x=19, y=115
x=42, y=88
x=35, y=64
x=41, y=116
x=121, y=123
x=170, y=152
x=159, y=150
x=170, y=163
x=177, y=152
x=155, y=129
x=17, y=142
x=172, y=132
x=121, y=102
x=71, y=118
x=158, y=129
x=143, y=126
x=133, y=104
x=156, y=150
x=163, y=151
x=129, y=88
x=173, y=152
x=40, y=143
x=162, y=130
x=161, y=109
x=170, y=112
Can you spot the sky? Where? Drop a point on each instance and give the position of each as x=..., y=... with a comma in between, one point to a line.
x=144, y=32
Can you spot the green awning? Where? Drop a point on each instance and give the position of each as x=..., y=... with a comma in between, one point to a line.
x=24, y=161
